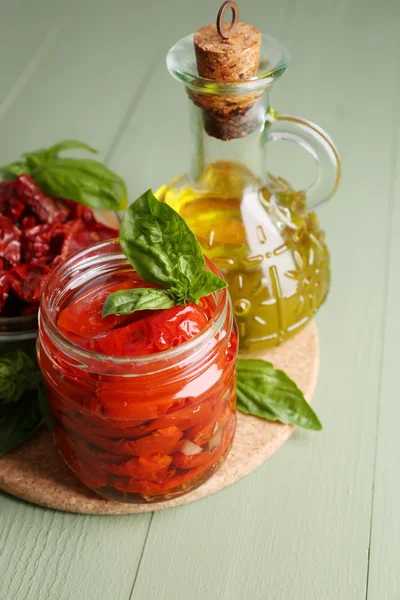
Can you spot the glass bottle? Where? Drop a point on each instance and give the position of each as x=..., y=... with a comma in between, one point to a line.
x=137, y=429
x=254, y=226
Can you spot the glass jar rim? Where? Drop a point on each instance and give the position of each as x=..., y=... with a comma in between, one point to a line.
x=87, y=258
x=181, y=63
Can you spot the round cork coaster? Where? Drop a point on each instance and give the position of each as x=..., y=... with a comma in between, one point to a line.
x=34, y=471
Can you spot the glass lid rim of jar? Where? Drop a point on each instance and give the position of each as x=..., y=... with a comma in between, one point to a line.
x=264, y=79
x=67, y=345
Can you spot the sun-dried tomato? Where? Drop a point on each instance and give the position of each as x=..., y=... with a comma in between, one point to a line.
x=36, y=245
x=46, y=208
x=79, y=211
x=10, y=245
x=4, y=288
x=11, y=205
x=30, y=309
x=29, y=222
x=80, y=236
x=37, y=232
x=27, y=281
x=3, y=200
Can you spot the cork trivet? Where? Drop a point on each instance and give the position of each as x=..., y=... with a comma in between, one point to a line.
x=35, y=473
x=227, y=60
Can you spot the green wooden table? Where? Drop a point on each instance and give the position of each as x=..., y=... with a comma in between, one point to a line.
x=321, y=519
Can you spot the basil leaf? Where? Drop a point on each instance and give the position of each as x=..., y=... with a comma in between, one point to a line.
x=14, y=170
x=269, y=393
x=18, y=373
x=69, y=145
x=87, y=182
x=159, y=244
x=18, y=421
x=206, y=283
x=126, y=302
x=40, y=156
x=23, y=405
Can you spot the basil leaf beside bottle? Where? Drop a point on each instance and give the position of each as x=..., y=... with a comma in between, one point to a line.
x=204, y=284
x=159, y=244
x=163, y=250
x=269, y=393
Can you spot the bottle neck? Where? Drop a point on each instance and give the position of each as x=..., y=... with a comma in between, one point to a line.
x=241, y=145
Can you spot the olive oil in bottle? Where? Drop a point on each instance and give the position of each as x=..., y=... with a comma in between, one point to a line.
x=270, y=250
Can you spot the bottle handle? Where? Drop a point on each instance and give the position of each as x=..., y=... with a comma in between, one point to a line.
x=313, y=139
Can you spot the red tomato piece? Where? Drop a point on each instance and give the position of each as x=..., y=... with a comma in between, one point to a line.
x=201, y=434
x=36, y=245
x=46, y=208
x=29, y=222
x=15, y=207
x=81, y=236
x=186, y=417
x=121, y=407
x=157, y=332
x=83, y=316
x=142, y=466
x=89, y=477
x=165, y=441
x=27, y=281
x=10, y=245
x=4, y=289
x=205, y=458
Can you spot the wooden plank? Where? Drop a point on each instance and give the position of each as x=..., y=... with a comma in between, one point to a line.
x=299, y=527
x=91, y=78
x=384, y=578
x=28, y=30
x=46, y=555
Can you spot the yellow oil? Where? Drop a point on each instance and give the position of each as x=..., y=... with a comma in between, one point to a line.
x=270, y=250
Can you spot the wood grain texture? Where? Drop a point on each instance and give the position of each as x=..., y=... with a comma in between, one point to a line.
x=384, y=578
x=37, y=24
x=47, y=555
x=89, y=81
x=298, y=528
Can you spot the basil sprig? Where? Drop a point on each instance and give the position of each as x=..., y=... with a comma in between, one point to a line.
x=269, y=393
x=23, y=406
x=85, y=181
x=163, y=250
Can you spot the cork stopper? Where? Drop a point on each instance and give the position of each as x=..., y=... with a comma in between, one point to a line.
x=227, y=55
x=230, y=59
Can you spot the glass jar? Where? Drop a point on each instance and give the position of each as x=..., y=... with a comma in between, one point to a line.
x=137, y=429
x=255, y=227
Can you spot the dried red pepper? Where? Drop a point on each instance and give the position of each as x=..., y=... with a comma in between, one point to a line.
x=27, y=281
x=10, y=245
x=37, y=232
x=46, y=208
